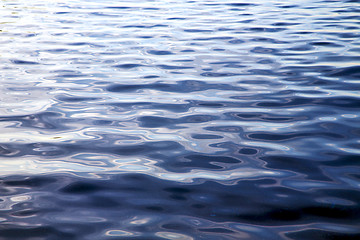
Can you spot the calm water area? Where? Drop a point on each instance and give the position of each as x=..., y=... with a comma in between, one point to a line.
x=180, y=120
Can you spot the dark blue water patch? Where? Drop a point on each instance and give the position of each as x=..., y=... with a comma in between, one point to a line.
x=284, y=24
x=347, y=131
x=145, y=37
x=352, y=28
x=309, y=81
x=103, y=122
x=236, y=41
x=57, y=50
x=70, y=76
x=248, y=151
x=82, y=188
x=344, y=59
x=215, y=104
x=78, y=43
x=293, y=214
x=288, y=6
x=180, y=86
x=64, y=98
x=347, y=35
x=310, y=168
x=260, y=72
x=218, y=74
x=301, y=48
x=206, y=136
x=24, y=62
x=241, y=4
x=211, y=4
x=353, y=71
x=322, y=70
x=341, y=102
x=119, y=107
x=131, y=195
x=237, y=9
x=229, y=129
x=31, y=182
x=268, y=40
x=348, y=10
x=192, y=162
x=302, y=32
x=263, y=29
x=183, y=60
x=293, y=136
x=225, y=29
x=151, y=76
x=155, y=122
x=30, y=35
x=205, y=158
x=266, y=117
x=128, y=65
x=151, y=9
x=159, y=52
x=326, y=44
x=187, y=50
x=13, y=232
x=119, y=7
x=60, y=13
x=336, y=159
x=320, y=234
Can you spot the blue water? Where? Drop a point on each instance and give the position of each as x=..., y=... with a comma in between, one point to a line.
x=181, y=120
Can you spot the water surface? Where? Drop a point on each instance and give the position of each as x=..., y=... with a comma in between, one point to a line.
x=173, y=119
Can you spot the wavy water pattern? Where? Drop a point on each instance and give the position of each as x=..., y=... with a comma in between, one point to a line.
x=184, y=120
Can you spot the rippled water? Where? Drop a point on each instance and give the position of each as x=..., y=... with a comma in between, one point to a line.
x=171, y=119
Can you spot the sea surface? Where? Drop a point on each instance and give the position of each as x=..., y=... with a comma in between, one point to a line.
x=180, y=120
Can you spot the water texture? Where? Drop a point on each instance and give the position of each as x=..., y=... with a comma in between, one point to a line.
x=182, y=120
